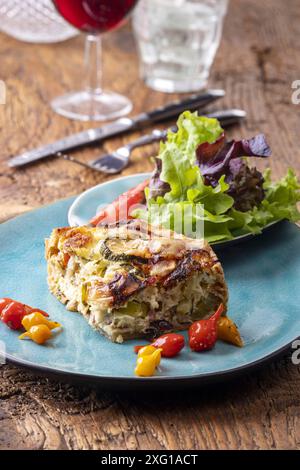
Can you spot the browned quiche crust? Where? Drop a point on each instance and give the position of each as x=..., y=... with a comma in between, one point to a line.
x=175, y=280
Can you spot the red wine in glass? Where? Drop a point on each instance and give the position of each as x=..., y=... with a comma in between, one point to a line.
x=93, y=17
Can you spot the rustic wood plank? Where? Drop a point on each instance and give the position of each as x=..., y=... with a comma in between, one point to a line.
x=253, y=412
x=256, y=64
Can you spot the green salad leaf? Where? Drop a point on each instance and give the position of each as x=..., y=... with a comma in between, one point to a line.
x=178, y=153
x=190, y=200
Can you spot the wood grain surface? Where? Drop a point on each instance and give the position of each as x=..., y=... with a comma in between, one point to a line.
x=256, y=64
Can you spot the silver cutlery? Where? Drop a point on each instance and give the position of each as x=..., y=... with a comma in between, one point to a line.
x=117, y=160
x=120, y=126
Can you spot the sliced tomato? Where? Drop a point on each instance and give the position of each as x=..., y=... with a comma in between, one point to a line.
x=119, y=209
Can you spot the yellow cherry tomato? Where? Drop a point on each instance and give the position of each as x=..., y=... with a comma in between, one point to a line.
x=147, y=361
x=145, y=366
x=228, y=331
x=148, y=351
x=35, y=319
x=38, y=333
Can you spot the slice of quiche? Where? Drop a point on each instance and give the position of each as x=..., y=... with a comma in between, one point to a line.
x=132, y=280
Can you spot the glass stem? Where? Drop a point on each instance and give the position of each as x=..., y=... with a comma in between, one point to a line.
x=93, y=64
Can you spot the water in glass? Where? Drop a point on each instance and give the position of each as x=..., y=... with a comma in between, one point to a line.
x=177, y=41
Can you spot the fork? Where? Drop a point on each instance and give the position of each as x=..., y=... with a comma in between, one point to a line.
x=117, y=160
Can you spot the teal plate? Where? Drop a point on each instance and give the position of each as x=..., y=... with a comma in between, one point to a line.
x=263, y=278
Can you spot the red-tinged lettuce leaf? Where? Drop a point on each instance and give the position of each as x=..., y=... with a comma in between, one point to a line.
x=281, y=199
x=176, y=167
x=207, y=151
x=218, y=164
x=245, y=183
x=196, y=167
x=157, y=187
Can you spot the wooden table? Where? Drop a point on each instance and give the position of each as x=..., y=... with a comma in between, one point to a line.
x=256, y=64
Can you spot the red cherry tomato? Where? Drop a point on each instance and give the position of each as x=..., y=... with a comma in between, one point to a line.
x=13, y=314
x=3, y=303
x=30, y=310
x=170, y=344
x=203, y=333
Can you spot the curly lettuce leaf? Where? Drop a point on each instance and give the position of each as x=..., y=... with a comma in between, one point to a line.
x=215, y=200
x=179, y=168
x=221, y=221
x=178, y=173
x=281, y=202
x=194, y=130
x=282, y=197
x=179, y=184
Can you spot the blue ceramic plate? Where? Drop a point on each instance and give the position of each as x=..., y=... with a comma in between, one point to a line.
x=263, y=282
x=86, y=205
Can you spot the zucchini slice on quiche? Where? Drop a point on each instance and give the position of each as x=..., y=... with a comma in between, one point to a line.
x=132, y=280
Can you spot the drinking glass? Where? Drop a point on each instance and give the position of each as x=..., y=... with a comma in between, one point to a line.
x=93, y=17
x=177, y=41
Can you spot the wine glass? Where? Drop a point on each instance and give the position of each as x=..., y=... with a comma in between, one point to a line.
x=93, y=17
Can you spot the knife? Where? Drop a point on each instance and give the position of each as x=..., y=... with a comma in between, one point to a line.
x=117, y=127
